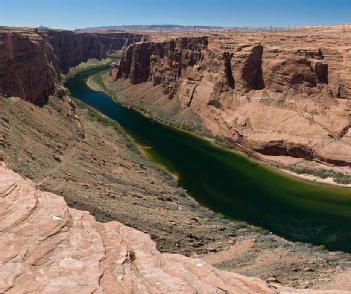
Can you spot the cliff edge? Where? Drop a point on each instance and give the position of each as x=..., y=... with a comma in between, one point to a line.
x=31, y=60
x=47, y=247
x=274, y=94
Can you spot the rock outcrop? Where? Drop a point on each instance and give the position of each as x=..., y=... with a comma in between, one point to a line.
x=160, y=62
x=286, y=68
x=47, y=247
x=248, y=67
x=28, y=65
x=31, y=60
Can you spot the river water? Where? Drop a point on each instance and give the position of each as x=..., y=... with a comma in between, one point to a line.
x=228, y=182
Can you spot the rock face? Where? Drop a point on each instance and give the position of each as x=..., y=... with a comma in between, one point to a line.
x=72, y=48
x=277, y=94
x=47, y=247
x=248, y=67
x=160, y=62
x=28, y=65
x=31, y=60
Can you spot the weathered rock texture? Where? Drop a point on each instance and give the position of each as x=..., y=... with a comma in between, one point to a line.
x=277, y=94
x=247, y=67
x=47, y=247
x=162, y=63
x=31, y=60
x=72, y=48
x=28, y=65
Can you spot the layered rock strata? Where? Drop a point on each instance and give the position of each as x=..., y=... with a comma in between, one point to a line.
x=47, y=247
x=162, y=63
x=28, y=65
x=283, y=94
x=248, y=67
x=95, y=167
x=31, y=60
x=73, y=48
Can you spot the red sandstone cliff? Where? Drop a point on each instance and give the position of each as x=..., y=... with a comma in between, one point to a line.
x=28, y=65
x=247, y=67
x=278, y=94
x=31, y=60
x=73, y=48
x=162, y=63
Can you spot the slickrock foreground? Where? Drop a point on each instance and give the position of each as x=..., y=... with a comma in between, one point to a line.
x=46, y=247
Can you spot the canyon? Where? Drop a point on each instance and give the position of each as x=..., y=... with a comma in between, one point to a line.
x=281, y=97
x=32, y=59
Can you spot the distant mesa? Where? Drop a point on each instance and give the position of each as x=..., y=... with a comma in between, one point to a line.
x=153, y=27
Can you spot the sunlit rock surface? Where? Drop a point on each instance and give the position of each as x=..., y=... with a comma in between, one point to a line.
x=284, y=93
x=31, y=59
x=47, y=247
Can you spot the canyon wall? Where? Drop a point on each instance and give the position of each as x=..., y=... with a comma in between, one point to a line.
x=31, y=60
x=72, y=48
x=280, y=94
x=247, y=67
x=244, y=86
x=28, y=65
x=162, y=63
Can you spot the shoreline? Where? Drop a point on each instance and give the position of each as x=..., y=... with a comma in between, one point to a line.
x=95, y=87
x=284, y=171
x=310, y=178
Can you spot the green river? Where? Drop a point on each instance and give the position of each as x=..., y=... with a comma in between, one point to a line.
x=230, y=183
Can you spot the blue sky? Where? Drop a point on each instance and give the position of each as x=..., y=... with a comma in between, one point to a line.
x=72, y=14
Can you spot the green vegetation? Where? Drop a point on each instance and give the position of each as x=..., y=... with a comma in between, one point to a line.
x=96, y=82
x=91, y=63
x=97, y=117
x=338, y=177
x=192, y=124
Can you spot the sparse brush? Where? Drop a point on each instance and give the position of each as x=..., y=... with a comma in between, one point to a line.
x=338, y=177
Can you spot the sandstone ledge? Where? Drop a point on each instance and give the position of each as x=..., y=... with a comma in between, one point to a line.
x=47, y=247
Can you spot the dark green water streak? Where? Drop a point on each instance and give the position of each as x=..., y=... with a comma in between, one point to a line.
x=231, y=184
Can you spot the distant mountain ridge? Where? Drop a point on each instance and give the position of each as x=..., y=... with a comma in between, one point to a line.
x=169, y=27
x=153, y=27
